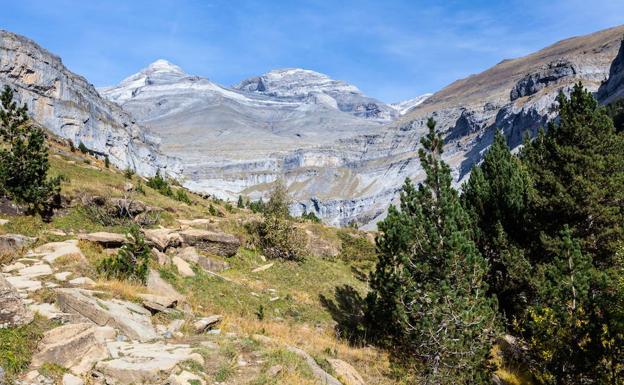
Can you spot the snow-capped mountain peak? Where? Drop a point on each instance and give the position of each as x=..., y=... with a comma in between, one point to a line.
x=406, y=105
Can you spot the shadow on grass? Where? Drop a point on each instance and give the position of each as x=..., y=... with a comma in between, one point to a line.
x=348, y=309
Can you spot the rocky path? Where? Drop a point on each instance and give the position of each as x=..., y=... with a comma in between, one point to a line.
x=105, y=340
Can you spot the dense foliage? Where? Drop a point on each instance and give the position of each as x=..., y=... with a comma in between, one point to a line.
x=540, y=233
x=24, y=159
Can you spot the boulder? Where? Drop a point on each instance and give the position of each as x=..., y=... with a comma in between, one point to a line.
x=345, y=372
x=13, y=243
x=206, y=323
x=183, y=267
x=141, y=363
x=162, y=258
x=13, y=312
x=74, y=346
x=104, y=239
x=158, y=286
x=130, y=318
x=82, y=281
x=128, y=207
x=51, y=251
x=190, y=254
x=225, y=245
x=163, y=238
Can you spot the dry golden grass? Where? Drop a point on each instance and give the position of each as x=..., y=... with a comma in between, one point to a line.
x=121, y=289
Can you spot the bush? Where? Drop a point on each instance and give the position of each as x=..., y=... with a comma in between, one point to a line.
x=24, y=160
x=278, y=237
x=356, y=248
x=83, y=148
x=106, y=162
x=183, y=197
x=131, y=262
x=257, y=206
x=158, y=183
x=310, y=216
x=128, y=173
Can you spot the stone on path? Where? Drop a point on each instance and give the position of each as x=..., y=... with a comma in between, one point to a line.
x=13, y=267
x=186, y=378
x=141, y=363
x=24, y=283
x=54, y=250
x=70, y=379
x=13, y=312
x=35, y=271
x=62, y=276
x=130, y=318
x=82, y=281
x=74, y=346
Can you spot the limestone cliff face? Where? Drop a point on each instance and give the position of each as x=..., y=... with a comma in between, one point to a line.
x=70, y=107
x=613, y=88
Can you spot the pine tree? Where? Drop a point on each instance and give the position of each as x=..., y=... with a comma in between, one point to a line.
x=241, y=203
x=428, y=290
x=569, y=328
x=24, y=159
x=497, y=196
x=578, y=168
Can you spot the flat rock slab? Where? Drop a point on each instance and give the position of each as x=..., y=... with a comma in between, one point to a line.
x=53, y=250
x=225, y=245
x=13, y=311
x=74, y=346
x=36, y=271
x=130, y=318
x=24, y=283
x=12, y=243
x=107, y=240
x=141, y=363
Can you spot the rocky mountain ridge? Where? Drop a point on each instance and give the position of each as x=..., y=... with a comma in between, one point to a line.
x=69, y=106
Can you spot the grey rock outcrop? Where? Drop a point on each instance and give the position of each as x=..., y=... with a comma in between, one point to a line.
x=613, y=88
x=70, y=107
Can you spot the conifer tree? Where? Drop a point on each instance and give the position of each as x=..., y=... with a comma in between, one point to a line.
x=24, y=159
x=428, y=290
x=497, y=196
x=578, y=168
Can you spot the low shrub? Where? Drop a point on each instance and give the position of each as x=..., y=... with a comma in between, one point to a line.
x=131, y=262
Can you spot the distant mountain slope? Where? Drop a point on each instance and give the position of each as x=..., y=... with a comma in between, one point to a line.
x=328, y=140
x=70, y=107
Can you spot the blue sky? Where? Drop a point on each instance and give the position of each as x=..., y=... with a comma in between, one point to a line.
x=392, y=49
